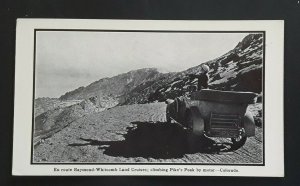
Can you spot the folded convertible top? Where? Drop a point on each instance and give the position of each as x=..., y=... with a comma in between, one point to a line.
x=224, y=96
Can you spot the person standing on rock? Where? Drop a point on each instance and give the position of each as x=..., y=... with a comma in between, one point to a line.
x=202, y=77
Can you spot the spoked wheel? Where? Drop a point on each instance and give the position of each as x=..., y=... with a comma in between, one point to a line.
x=238, y=142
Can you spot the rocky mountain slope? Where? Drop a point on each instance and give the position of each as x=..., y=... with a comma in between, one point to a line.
x=240, y=69
x=42, y=105
x=54, y=120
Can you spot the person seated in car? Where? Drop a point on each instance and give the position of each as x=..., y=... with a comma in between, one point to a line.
x=202, y=77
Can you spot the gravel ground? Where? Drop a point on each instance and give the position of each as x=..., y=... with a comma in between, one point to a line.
x=139, y=133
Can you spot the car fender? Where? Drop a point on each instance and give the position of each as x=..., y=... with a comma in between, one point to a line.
x=249, y=124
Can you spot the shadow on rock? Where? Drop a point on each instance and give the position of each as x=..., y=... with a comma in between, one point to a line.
x=155, y=140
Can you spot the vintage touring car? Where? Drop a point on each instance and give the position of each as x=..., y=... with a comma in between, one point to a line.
x=214, y=113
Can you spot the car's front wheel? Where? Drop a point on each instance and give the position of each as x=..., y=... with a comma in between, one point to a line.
x=238, y=142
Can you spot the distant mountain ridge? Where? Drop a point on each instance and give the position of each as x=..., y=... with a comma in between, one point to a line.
x=115, y=86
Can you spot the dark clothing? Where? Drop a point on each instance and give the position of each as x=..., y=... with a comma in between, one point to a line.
x=202, y=80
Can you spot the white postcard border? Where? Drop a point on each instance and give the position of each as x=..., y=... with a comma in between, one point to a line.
x=274, y=128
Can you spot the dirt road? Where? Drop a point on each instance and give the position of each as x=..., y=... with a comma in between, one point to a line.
x=137, y=133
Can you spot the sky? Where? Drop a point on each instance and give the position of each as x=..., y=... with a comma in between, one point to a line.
x=66, y=60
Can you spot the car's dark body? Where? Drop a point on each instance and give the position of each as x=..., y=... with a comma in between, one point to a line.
x=215, y=114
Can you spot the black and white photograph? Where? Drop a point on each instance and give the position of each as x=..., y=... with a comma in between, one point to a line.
x=109, y=97
x=148, y=97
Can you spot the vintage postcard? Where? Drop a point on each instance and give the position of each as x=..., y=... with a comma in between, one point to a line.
x=128, y=97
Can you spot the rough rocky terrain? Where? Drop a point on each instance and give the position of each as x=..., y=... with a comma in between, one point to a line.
x=138, y=133
x=240, y=69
